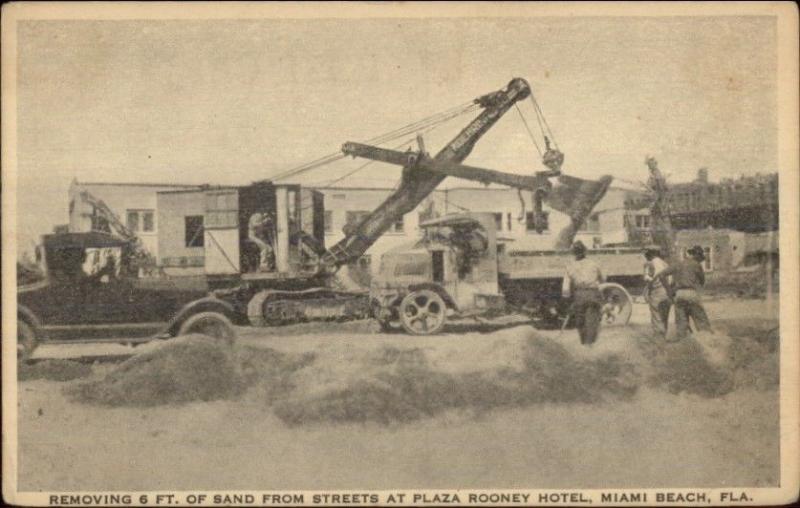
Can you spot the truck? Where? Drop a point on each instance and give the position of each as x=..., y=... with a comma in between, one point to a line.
x=461, y=268
x=239, y=282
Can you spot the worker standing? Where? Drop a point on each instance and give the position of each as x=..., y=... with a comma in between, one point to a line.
x=688, y=278
x=658, y=290
x=259, y=232
x=582, y=284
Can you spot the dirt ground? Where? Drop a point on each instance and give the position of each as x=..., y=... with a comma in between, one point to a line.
x=629, y=412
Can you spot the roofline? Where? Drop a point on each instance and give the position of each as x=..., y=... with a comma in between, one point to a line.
x=138, y=184
x=200, y=189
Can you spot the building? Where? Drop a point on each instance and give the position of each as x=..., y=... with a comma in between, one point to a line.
x=133, y=203
x=173, y=220
x=749, y=203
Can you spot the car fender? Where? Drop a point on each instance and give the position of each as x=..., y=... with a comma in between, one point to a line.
x=436, y=288
x=27, y=315
x=206, y=304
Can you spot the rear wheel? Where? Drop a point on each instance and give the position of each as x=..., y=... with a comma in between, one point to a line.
x=423, y=312
x=617, y=305
x=26, y=341
x=211, y=324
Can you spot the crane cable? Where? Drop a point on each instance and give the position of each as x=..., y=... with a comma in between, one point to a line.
x=384, y=138
x=543, y=122
x=530, y=133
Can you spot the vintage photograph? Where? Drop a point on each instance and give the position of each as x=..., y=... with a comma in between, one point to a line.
x=542, y=254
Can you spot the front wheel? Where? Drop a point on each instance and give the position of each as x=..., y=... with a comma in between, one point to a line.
x=617, y=304
x=423, y=312
x=26, y=341
x=211, y=324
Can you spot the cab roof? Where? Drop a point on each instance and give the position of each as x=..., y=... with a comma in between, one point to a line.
x=82, y=240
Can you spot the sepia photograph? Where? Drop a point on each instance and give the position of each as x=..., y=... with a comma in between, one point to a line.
x=400, y=253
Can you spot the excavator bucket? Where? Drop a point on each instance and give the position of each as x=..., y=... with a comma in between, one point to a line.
x=577, y=198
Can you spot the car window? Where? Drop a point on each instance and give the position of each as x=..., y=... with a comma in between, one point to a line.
x=102, y=264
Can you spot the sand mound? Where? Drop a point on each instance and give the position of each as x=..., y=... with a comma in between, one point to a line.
x=399, y=385
x=737, y=355
x=53, y=370
x=192, y=368
x=185, y=369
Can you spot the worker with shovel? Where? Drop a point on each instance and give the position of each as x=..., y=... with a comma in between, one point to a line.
x=582, y=284
x=688, y=278
x=658, y=292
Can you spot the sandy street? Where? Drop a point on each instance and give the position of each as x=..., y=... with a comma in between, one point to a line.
x=648, y=431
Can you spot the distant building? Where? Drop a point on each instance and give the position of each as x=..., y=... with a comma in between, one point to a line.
x=748, y=203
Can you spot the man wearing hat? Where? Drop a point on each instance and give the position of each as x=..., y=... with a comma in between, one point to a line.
x=658, y=292
x=687, y=279
x=582, y=283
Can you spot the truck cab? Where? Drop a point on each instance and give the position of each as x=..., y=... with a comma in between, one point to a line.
x=451, y=269
x=91, y=291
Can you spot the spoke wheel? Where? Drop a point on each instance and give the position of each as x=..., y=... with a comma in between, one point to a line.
x=26, y=341
x=617, y=305
x=211, y=324
x=422, y=312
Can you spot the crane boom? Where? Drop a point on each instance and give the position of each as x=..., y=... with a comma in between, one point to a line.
x=573, y=196
x=417, y=182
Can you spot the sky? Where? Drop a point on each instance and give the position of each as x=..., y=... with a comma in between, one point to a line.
x=233, y=101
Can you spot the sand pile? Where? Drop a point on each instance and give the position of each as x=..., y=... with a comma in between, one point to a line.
x=185, y=369
x=191, y=368
x=396, y=385
x=739, y=354
x=53, y=370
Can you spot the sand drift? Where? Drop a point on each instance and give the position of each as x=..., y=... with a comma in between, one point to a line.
x=390, y=384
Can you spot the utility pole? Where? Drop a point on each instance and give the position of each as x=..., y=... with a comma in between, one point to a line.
x=660, y=222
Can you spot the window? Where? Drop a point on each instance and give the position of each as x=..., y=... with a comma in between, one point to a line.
x=538, y=222
x=329, y=221
x=221, y=210
x=399, y=226
x=147, y=221
x=642, y=221
x=194, y=231
x=508, y=221
x=133, y=221
x=498, y=221
x=140, y=221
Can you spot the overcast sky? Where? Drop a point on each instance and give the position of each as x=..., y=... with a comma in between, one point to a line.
x=236, y=101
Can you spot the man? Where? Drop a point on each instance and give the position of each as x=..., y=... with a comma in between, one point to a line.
x=657, y=290
x=259, y=232
x=582, y=283
x=687, y=279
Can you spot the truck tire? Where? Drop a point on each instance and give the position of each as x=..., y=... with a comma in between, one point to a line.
x=617, y=305
x=211, y=324
x=26, y=341
x=423, y=312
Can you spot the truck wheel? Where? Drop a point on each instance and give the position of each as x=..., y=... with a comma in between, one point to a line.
x=422, y=312
x=617, y=304
x=212, y=324
x=26, y=341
